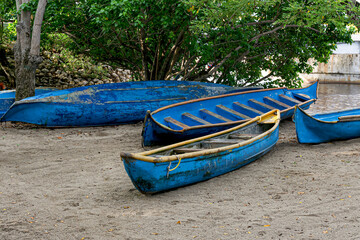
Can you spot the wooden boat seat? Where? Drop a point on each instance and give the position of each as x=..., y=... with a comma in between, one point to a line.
x=241, y=136
x=264, y=105
x=175, y=122
x=349, y=118
x=185, y=150
x=293, y=100
x=243, y=106
x=195, y=118
x=215, y=143
x=215, y=115
x=284, y=105
x=231, y=111
x=302, y=96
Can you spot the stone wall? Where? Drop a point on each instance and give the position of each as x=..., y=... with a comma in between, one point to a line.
x=51, y=74
x=341, y=68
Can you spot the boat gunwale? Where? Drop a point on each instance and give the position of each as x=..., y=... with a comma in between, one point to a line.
x=97, y=88
x=215, y=124
x=143, y=155
x=233, y=94
x=322, y=121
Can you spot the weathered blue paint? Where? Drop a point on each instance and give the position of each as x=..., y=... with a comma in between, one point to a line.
x=158, y=130
x=151, y=174
x=108, y=104
x=327, y=127
x=7, y=98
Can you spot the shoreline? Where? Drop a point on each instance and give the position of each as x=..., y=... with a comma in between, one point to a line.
x=69, y=183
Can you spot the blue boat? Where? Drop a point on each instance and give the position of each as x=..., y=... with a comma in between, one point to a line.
x=202, y=158
x=200, y=117
x=327, y=127
x=108, y=104
x=7, y=98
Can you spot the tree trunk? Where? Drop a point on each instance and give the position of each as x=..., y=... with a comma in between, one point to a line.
x=27, y=50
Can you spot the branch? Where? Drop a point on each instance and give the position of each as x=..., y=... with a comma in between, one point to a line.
x=18, y=4
x=261, y=79
x=6, y=20
x=172, y=50
x=193, y=68
x=9, y=75
x=39, y=16
x=141, y=34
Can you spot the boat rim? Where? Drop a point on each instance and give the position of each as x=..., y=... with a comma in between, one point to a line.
x=231, y=94
x=272, y=117
x=149, y=114
x=318, y=120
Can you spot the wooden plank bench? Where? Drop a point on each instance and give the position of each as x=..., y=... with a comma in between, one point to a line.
x=349, y=118
x=215, y=143
x=215, y=115
x=231, y=111
x=284, y=105
x=195, y=118
x=175, y=122
x=243, y=106
x=289, y=99
x=264, y=105
x=185, y=150
x=302, y=96
x=241, y=136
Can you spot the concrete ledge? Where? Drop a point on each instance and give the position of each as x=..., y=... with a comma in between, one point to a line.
x=332, y=78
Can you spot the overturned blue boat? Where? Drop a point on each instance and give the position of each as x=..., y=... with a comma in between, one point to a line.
x=7, y=98
x=202, y=158
x=199, y=117
x=327, y=127
x=108, y=104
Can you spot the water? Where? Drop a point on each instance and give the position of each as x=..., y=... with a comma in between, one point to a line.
x=334, y=97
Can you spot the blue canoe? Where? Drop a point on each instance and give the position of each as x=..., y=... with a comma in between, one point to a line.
x=327, y=127
x=108, y=104
x=200, y=117
x=202, y=158
x=7, y=97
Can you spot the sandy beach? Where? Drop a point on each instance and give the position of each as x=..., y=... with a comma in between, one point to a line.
x=70, y=184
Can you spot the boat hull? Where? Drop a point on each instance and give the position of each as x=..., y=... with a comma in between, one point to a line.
x=157, y=132
x=7, y=98
x=327, y=127
x=108, y=104
x=152, y=177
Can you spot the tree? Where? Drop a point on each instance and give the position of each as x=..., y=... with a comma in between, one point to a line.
x=147, y=37
x=7, y=10
x=275, y=35
x=27, y=47
x=232, y=41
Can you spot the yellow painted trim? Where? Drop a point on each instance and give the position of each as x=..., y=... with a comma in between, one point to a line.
x=270, y=117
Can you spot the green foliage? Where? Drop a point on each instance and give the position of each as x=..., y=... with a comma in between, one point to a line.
x=140, y=35
x=7, y=17
x=57, y=48
x=275, y=36
x=233, y=41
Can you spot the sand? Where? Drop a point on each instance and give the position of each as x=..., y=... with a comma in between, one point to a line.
x=70, y=184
